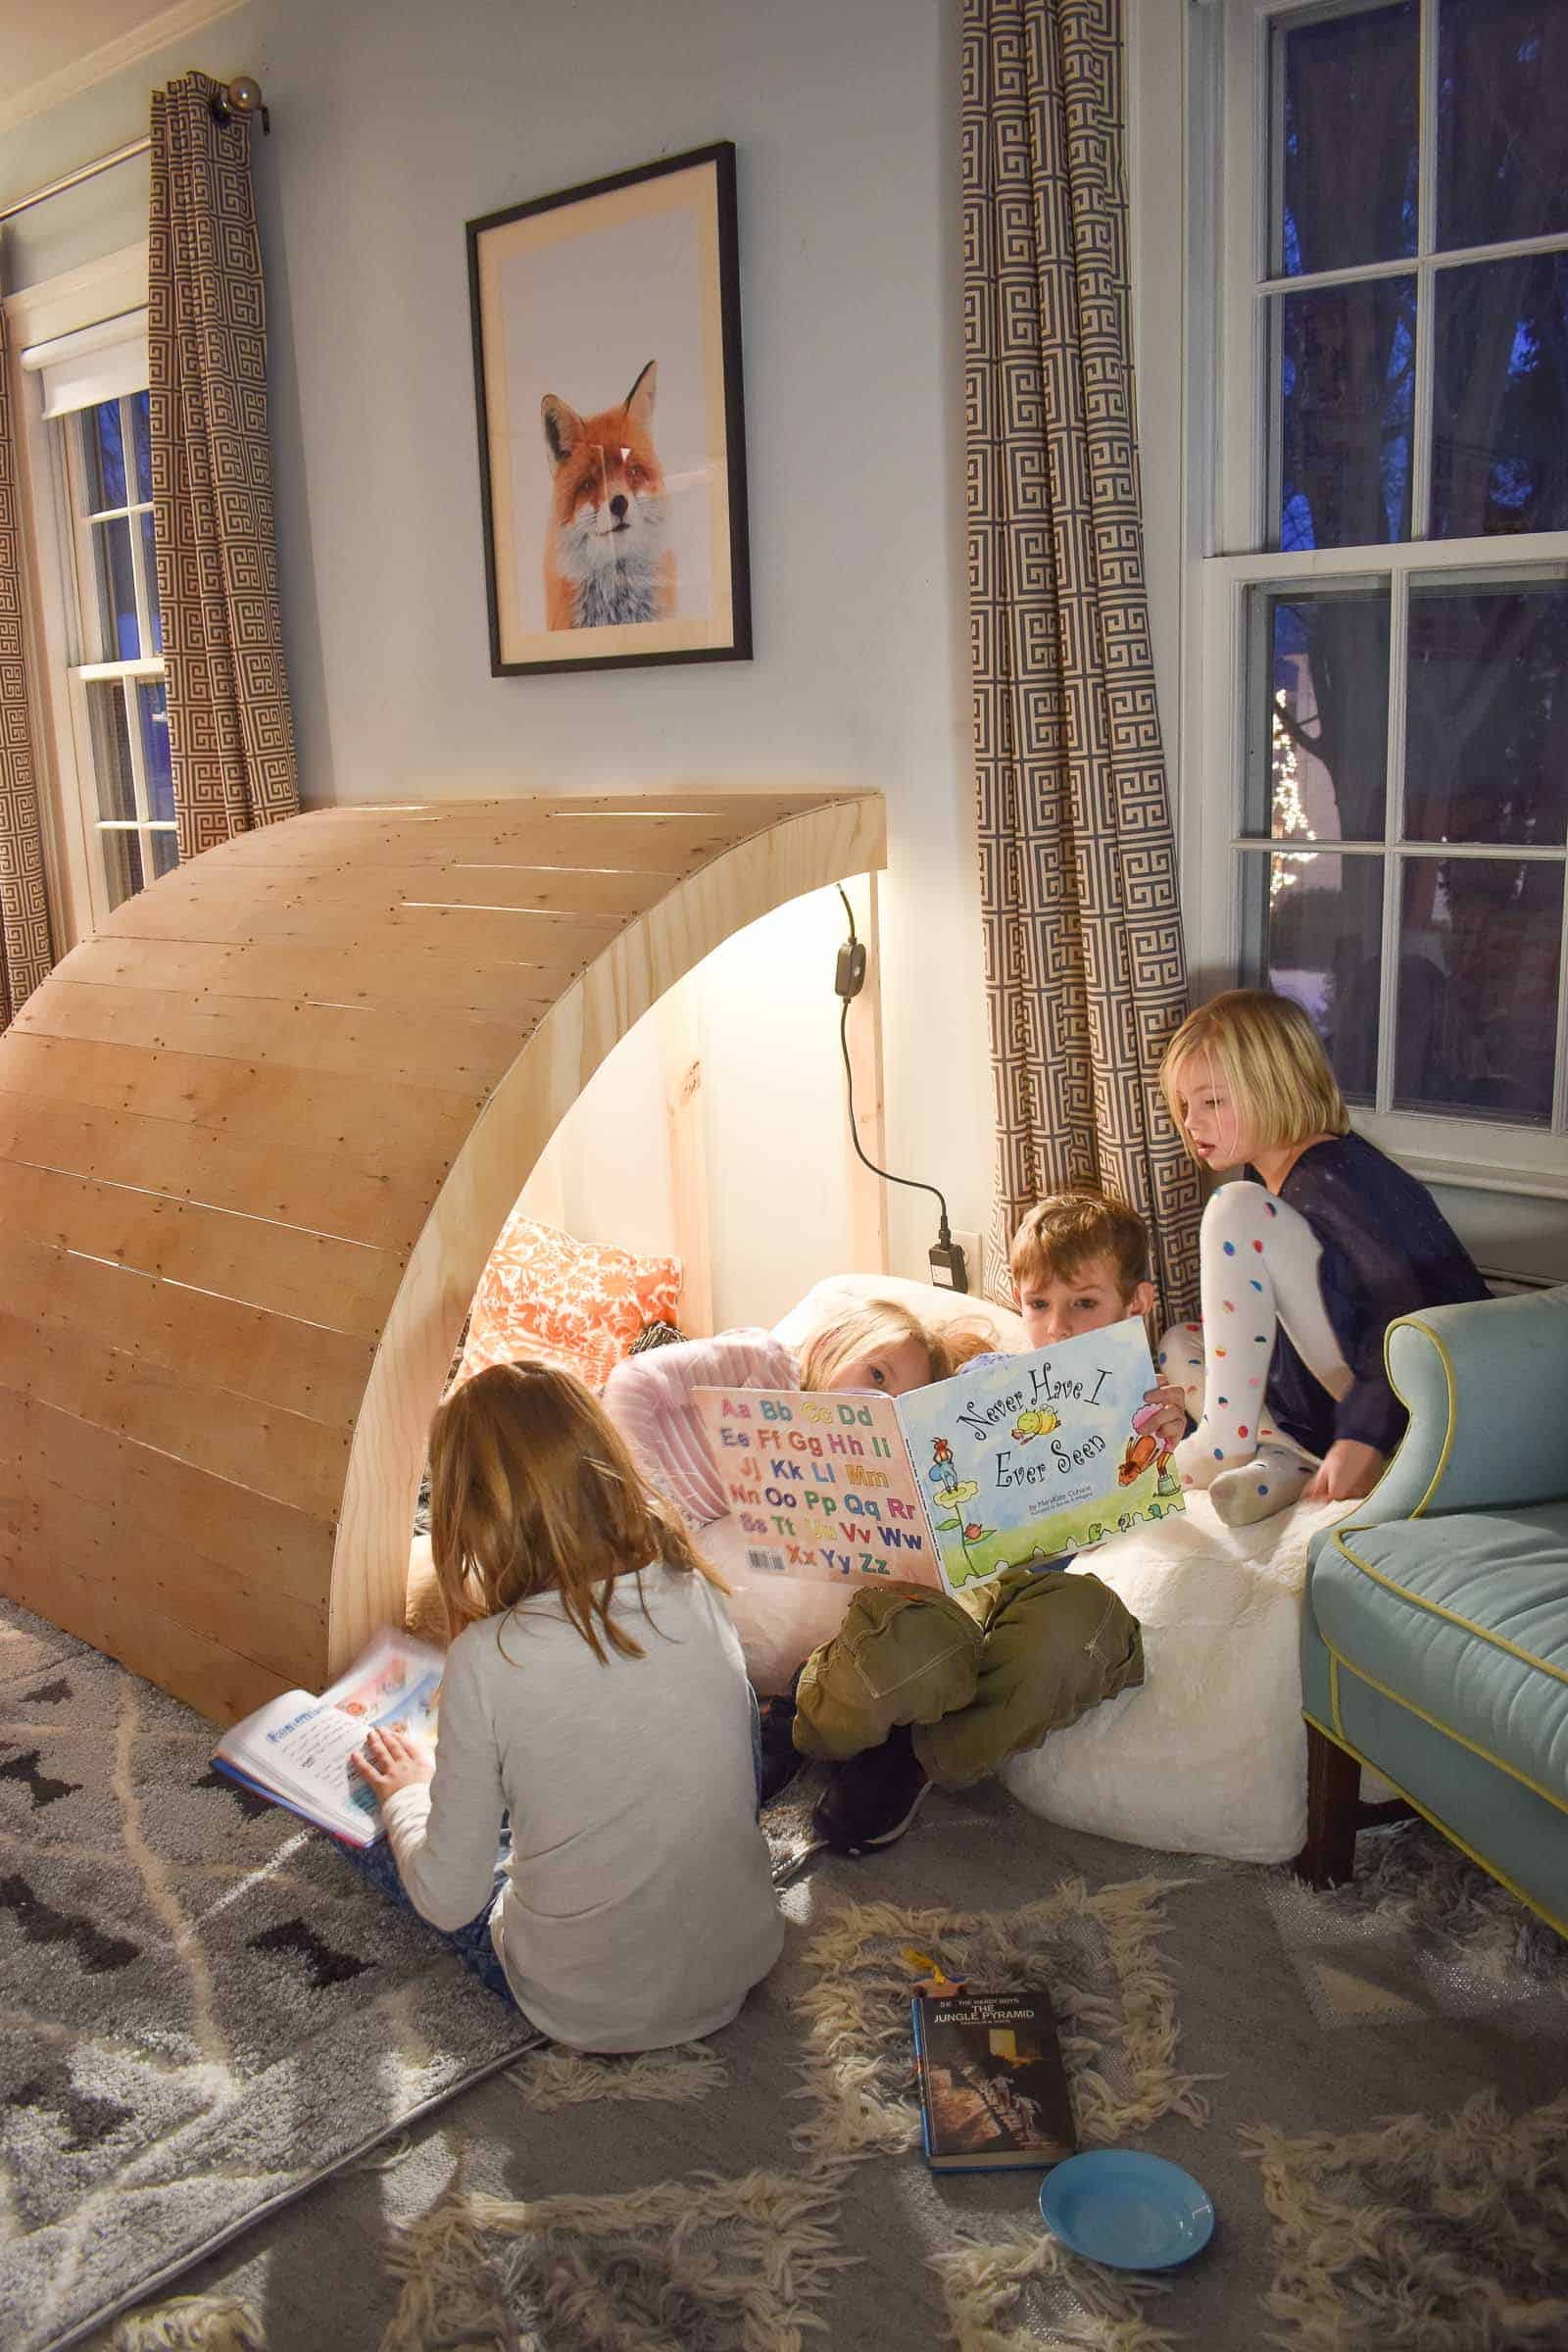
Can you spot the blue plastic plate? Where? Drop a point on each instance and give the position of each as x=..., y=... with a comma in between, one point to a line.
x=1135, y=2212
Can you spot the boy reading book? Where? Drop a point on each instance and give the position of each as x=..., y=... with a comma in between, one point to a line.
x=921, y=1687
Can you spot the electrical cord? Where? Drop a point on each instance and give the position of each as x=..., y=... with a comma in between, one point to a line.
x=912, y=1183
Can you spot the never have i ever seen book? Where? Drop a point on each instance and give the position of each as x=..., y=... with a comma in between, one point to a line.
x=1018, y=1461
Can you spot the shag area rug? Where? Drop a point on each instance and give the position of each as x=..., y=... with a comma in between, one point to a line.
x=205, y=2009
x=1384, y=2073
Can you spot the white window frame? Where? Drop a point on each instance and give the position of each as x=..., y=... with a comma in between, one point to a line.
x=62, y=598
x=1226, y=107
x=146, y=669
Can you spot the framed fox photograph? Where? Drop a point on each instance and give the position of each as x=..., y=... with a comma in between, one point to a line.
x=606, y=360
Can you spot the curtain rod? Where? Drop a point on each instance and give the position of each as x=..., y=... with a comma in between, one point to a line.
x=241, y=96
x=73, y=180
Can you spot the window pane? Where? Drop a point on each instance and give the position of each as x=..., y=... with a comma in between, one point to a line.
x=121, y=857
x=1311, y=927
x=1500, y=397
x=1344, y=186
x=1487, y=728
x=110, y=751
x=105, y=457
x=149, y=566
x=143, y=441
x=1318, y=707
x=154, y=713
x=166, y=853
x=119, y=638
x=1341, y=406
x=1480, y=943
x=1502, y=131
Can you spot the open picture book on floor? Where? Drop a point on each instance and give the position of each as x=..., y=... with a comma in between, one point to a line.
x=296, y=1750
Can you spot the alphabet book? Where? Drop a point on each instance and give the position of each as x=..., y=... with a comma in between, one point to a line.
x=1016, y=1459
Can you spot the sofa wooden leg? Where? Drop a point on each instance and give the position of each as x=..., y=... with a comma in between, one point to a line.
x=1333, y=1801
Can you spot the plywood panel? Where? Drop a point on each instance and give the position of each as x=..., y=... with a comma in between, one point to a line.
x=670, y=843
x=117, y=1554
x=377, y=1125
x=277, y=1360
x=255, y=1141
x=408, y=1043
x=421, y=981
x=206, y=1674
x=186, y=1508
x=562, y=943
x=341, y=1283
x=260, y=1448
x=215, y=1167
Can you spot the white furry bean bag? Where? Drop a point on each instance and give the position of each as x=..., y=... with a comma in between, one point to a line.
x=1209, y=1757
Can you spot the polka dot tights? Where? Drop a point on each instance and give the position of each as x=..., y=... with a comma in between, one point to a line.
x=1260, y=1273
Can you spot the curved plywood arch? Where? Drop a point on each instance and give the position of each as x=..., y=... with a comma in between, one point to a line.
x=256, y=1140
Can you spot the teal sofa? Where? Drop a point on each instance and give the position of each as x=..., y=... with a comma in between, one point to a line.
x=1435, y=1639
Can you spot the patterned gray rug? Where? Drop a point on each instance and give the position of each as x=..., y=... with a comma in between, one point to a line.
x=205, y=2009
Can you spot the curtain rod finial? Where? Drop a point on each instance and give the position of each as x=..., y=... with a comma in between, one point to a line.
x=242, y=96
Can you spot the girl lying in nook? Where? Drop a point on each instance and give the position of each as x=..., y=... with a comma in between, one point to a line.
x=1305, y=1263
x=918, y=1687
x=594, y=1694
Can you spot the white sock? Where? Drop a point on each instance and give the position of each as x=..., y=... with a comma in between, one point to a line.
x=1276, y=1477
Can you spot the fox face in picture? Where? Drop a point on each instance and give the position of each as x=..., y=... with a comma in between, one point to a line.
x=606, y=562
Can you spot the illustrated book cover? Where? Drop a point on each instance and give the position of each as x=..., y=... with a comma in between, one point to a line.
x=296, y=1750
x=993, y=2087
x=1017, y=1459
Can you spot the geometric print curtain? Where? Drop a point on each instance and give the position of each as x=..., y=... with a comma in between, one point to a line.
x=1086, y=977
x=24, y=952
x=230, y=729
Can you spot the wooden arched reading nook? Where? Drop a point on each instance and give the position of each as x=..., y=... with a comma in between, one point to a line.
x=258, y=1137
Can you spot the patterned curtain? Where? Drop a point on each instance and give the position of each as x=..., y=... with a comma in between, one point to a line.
x=230, y=729
x=1085, y=970
x=25, y=952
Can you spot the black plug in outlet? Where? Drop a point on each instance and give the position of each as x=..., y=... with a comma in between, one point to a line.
x=849, y=977
x=948, y=1270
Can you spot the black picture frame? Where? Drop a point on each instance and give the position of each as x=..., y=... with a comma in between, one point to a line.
x=575, y=292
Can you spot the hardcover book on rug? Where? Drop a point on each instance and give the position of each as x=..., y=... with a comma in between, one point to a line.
x=296, y=1750
x=993, y=2087
x=1016, y=1459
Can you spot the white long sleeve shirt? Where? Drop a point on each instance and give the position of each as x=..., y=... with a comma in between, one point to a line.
x=639, y=1908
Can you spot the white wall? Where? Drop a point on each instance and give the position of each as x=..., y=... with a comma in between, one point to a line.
x=395, y=121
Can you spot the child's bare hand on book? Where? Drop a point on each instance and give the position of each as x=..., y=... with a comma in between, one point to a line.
x=1170, y=1424
x=389, y=1760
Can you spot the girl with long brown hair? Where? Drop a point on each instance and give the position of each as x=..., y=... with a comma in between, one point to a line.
x=594, y=1694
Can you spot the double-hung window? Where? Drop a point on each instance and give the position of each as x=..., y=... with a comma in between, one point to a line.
x=1384, y=697
x=80, y=347
x=119, y=717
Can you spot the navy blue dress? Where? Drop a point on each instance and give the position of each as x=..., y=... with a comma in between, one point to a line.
x=1388, y=1251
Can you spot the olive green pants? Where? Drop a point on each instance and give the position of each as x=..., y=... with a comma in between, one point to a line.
x=1023, y=1655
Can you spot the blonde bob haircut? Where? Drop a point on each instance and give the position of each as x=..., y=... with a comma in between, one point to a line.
x=1267, y=1052
x=534, y=1493
x=884, y=1323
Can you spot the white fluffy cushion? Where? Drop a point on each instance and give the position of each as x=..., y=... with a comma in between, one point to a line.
x=1209, y=1757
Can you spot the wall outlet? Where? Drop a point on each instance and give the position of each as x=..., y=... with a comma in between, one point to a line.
x=969, y=1244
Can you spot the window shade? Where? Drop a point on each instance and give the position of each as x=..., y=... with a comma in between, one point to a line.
x=97, y=362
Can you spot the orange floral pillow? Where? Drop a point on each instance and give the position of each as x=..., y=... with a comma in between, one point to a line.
x=566, y=1302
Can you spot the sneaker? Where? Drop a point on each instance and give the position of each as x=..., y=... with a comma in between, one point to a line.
x=781, y=1758
x=873, y=1800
